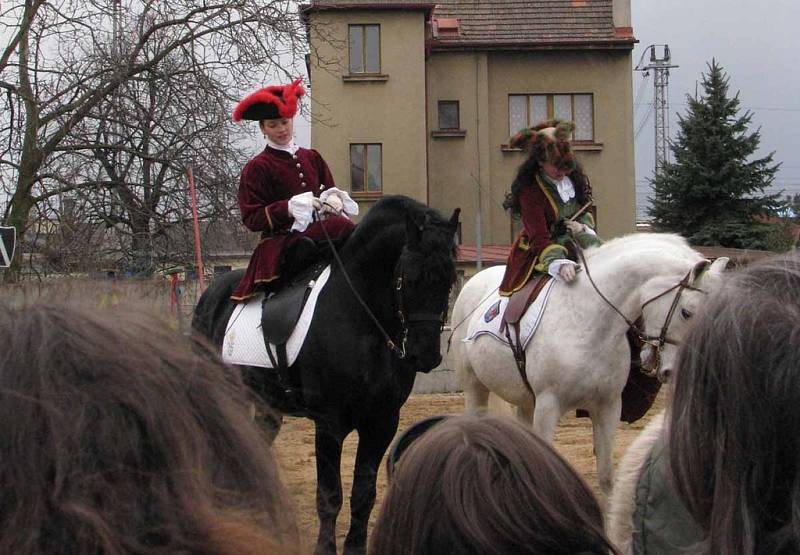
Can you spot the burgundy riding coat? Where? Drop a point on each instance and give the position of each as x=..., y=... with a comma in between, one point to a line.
x=267, y=183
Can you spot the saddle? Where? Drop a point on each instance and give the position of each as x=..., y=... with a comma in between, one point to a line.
x=518, y=303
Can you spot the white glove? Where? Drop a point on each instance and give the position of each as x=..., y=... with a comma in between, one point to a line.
x=333, y=205
x=349, y=206
x=301, y=208
x=575, y=227
x=316, y=204
x=563, y=269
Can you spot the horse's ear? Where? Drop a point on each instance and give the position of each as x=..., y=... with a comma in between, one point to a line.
x=698, y=270
x=454, y=219
x=414, y=230
x=719, y=265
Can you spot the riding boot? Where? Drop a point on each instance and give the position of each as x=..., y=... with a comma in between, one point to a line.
x=291, y=393
x=301, y=255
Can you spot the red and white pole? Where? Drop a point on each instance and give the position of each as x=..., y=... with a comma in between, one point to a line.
x=197, y=249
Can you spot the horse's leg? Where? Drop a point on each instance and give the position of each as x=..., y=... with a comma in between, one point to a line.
x=546, y=415
x=374, y=438
x=328, y=445
x=524, y=414
x=604, y=428
x=476, y=395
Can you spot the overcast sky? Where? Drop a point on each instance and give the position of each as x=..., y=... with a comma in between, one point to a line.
x=754, y=41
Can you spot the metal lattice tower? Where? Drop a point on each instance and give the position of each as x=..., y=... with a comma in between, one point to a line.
x=660, y=67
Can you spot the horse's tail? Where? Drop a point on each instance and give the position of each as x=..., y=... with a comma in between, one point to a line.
x=207, y=324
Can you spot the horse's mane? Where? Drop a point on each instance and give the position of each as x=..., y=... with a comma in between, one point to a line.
x=645, y=249
x=380, y=236
x=392, y=212
x=393, y=209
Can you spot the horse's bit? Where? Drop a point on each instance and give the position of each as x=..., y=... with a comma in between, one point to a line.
x=656, y=342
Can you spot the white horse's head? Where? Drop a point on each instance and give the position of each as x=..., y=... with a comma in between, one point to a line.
x=668, y=311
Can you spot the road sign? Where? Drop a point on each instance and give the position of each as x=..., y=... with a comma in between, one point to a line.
x=8, y=242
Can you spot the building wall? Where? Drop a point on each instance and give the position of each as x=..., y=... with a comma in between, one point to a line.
x=390, y=111
x=481, y=82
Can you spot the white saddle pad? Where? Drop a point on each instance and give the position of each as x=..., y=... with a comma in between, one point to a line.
x=244, y=343
x=492, y=309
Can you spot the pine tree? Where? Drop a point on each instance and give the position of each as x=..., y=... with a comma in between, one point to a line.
x=712, y=194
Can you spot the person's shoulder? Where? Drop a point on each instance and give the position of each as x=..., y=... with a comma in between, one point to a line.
x=309, y=152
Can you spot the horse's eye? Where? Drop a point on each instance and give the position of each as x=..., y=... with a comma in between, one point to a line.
x=686, y=313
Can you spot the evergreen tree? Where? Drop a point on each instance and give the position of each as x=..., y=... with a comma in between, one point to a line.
x=712, y=194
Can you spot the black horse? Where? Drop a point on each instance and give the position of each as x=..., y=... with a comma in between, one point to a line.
x=401, y=262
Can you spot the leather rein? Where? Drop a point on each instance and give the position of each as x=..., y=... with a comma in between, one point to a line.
x=406, y=318
x=657, y=342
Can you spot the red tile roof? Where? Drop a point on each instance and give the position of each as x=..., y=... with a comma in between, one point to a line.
x=490, y=254
x=511, y=24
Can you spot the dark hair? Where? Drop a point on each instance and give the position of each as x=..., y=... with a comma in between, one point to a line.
x=734, y=421
x=486, y=484
x=117, y=437
x=527, y=173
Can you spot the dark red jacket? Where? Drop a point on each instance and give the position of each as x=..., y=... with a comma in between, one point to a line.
x=267, y=183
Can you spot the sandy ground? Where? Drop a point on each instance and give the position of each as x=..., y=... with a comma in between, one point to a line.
x=295, y=451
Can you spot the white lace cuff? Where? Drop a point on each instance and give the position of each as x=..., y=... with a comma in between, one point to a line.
x=349, y=206
x=301, y=207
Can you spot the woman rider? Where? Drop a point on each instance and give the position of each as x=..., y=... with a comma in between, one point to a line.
x=282, y=187
x=549, y=190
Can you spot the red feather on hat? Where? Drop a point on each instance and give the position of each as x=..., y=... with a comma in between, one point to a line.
x=283, y=96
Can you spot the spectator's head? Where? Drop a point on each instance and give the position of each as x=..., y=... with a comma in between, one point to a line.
x=734, y=443
x=485, y=484
x=117, y=437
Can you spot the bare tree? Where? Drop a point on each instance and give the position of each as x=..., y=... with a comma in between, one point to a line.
x=74, y=70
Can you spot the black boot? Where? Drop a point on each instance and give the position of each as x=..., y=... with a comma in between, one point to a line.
x=301, y=255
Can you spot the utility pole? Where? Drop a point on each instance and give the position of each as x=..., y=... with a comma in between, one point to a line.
x=660, y=67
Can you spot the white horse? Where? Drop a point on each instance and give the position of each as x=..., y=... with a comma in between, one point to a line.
x=579, y=356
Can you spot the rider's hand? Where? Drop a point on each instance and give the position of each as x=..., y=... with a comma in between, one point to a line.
x=575, y=227
x=333, y=205
x=567, y=272
x=316, y=204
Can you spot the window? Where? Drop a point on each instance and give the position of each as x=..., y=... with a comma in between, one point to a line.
x=448, y=115
x=526, y=110
x=365, y=48
x=366, y=166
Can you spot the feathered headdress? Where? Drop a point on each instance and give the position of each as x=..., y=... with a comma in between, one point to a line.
x=548, y=141
x=275, y=101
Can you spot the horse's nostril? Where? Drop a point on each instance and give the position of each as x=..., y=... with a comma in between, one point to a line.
x=666, y=375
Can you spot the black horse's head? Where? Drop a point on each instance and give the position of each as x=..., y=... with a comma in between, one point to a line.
x=424, y=275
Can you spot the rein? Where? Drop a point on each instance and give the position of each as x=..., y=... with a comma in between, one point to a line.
x=657, y=342
x=405, y=319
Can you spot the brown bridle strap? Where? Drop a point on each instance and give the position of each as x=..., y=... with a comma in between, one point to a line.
x=656, y=342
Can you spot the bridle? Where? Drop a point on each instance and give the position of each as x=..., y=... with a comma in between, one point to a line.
x=407, y=319
x=656, y=342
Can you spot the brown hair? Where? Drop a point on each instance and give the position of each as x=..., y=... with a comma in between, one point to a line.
x=734, y=448
x=117, y=437
x=485, y=484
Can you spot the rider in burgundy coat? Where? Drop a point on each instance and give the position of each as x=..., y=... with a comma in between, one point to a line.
x=280, y=188
x=549, y=192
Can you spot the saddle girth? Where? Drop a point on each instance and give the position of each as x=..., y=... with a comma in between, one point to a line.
x=518, y=303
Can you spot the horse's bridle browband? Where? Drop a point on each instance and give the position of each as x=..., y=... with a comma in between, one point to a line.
x=656, y=342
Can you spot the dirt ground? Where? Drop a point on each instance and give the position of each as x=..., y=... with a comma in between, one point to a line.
x=295, y=451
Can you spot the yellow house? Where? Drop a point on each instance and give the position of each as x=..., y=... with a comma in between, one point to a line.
x=420, y=99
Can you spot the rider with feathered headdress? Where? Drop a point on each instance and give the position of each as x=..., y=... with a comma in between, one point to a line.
x=549, y=190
